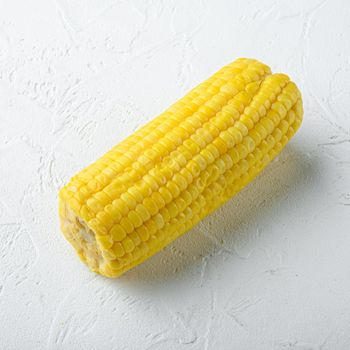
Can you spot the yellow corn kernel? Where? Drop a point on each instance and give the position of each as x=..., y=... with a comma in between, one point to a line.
x=128, y=245
x=118, y=233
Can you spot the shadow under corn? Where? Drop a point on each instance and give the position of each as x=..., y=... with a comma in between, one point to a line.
x=282, y=185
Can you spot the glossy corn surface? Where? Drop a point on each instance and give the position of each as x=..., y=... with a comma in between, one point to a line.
x=163, y=179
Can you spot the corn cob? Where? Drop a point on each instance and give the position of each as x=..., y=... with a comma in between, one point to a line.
x=162, y=180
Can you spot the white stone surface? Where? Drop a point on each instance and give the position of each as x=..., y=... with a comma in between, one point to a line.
x=270, y=270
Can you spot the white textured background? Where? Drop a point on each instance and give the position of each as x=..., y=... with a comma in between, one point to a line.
x=270, y=270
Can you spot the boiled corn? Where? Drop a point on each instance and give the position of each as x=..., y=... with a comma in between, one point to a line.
x=162, y=180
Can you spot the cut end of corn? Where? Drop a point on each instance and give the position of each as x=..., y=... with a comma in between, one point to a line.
x=162, y=180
